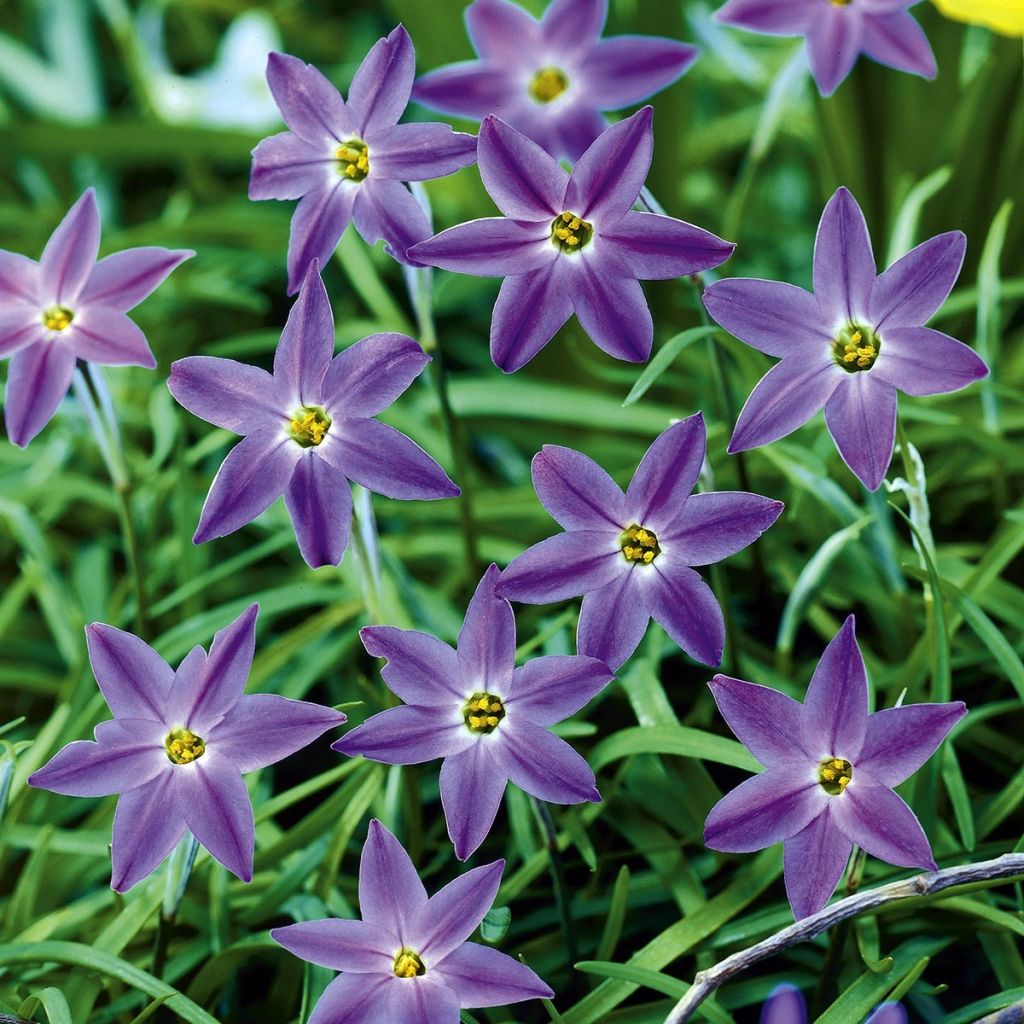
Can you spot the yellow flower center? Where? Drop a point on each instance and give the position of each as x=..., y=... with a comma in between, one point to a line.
x=353, y=159
x=856, y=348
x=483, y=712
x=309, y=426
x=57, y=318
x=570, y=233
x=835, y=774
x=408, y=963
x=548, y=84
x=840, y=3
x=184, y=746
x=640, y=544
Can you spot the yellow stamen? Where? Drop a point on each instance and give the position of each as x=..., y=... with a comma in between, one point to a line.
x=183, y=746
x=408, y=963
x=353, y=159
x=639, y=544
x=309, y=426
x=548, y=84
x=571, y=233
x=483, y=712
x=834, y=775
x=57, y=318
x=856, y=348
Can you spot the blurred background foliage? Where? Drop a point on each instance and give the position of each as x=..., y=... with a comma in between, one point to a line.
x=158, y=106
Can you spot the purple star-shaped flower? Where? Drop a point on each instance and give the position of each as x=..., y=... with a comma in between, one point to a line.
x=786, y=1005
x=408, y=960
x=67, y=306
x=631, y=554
x=571, y=243
x=309, y=428
x=178, y=746
x=349, y=160
x=488, y=719
x=839, y=31
x=830, y=768
x=850, y=345
x=551, y=79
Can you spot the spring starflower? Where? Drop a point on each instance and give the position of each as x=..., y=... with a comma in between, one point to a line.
x=488, y=719
x=786, y=1005
x=178, y=745
x=67, y=306
x=830, y=769
x=552, y=78
x=408, y=960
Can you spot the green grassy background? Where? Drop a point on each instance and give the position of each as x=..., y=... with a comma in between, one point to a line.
x=649, y=904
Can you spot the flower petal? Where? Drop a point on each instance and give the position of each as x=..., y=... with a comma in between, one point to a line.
x=19, y=278
x=577, y=493
x=765, y=809
x=263, y=728
x=844, y=266
x=384, y=461
x=779, y=17
x=408, y=735
x=472, y=89
x=147, y=826
x=391, y=894
x=318, y=223
x=382, y=84
x=343, y=945
x=368, y=376
x=20, y=326
x=548, y=689
x=489, y=247
x=813, y=862
x=471, y=791
x=898, y=41
x=134, y=679
x=484, y=976
x=613, y=621
x=663, y=481
x=319, y=501
x=84, y=768
x=70, y=254
x=487, y=640
x=37, y=380
x=786, y=397
x=659, y=248
x=567, y=133
x=834, y=42
x=861, y=417
x=909, y=292
x=525, y=182
x=309, y=104
x=566, y=565
x=211, y=796
x=888, y=1013
x=123, y=279
x=105, y=335
x=775, y=318
x=528, y=314
x=717, y=524
x=501, y=31
x=226, y=393
x=352, y=998
x=876, y=819
x=611, y=306
x=764, y=720
x=624, y=70
x=452, y=913
x=899, y=740
x=542, y=764
x=387, y=209
x=420, y=668
x=570, y=28
x=607, y=179
x=835, y=713
x=285, y=166
x=687, y=609
x=419, y=152
x=921, y=361
x=254, y=475
x=785, y=1005
x=306, y=347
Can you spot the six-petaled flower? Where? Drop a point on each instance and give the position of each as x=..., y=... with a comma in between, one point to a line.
x=830, y=769
x=488, y=719
x=178, y=745
x=786, y=1005
x=552, y=78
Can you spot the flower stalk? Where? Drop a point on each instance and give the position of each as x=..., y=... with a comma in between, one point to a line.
x=179, y=869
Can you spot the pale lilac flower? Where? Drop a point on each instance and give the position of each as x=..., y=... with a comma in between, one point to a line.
x=489, y=720
x=631, y=554
x=67, y=307
x=552, y=78
x=786, y=1005
x=571, y=243
x=350, y=159
x=839, y=31
x=309, y=428
x=852, y=344
x=409, y=961
x=178, y=746
x=830, y=769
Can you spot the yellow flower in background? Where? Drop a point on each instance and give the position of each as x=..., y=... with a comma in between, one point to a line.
x=1005, y=16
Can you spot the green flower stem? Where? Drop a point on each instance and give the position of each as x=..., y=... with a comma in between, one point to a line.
x=367, y=550
x=179, y=868
x=557, y=877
